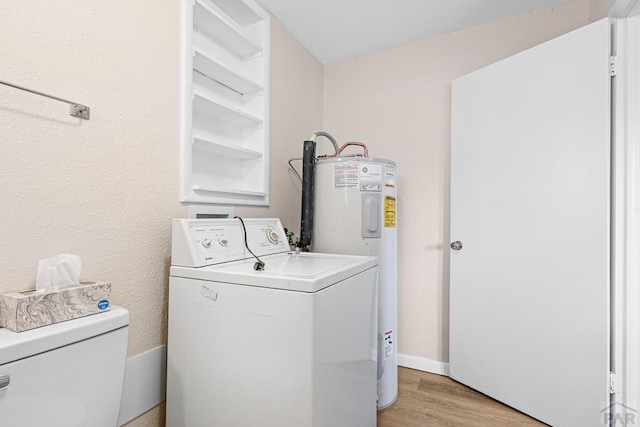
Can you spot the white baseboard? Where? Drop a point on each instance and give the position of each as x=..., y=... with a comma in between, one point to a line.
x=423, y=364
x=144, y=383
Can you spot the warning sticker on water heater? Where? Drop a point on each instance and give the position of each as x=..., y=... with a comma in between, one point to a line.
x=389, y=211
x=388, y=345
x=345, y=175
x=390, y=179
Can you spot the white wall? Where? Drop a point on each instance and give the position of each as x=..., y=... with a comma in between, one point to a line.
x=398, y=102
x=104, y=189
x=296, y=112
x=107, y=189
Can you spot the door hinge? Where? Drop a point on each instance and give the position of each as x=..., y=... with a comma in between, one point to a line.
x=613, y=383
x=614, y=65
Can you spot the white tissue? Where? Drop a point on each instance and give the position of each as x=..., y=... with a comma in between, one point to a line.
x=58, y=271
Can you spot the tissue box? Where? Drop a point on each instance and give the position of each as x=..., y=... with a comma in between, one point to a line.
x=27, y=310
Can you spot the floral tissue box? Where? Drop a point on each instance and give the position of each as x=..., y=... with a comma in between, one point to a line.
x=21, y=311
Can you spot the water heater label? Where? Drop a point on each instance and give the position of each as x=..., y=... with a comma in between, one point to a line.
x=388, y=344
x=390, y=179
x=389, y=211
x=345, y=175
x=370, y=177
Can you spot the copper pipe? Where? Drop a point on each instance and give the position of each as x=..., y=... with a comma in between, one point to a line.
x=359, y=144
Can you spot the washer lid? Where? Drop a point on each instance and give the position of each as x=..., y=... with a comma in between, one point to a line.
x=304, y=272
x=18, y=345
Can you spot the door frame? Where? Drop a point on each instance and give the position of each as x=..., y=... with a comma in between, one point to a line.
x=625, y=205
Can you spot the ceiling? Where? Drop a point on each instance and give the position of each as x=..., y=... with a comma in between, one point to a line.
x=335, y=30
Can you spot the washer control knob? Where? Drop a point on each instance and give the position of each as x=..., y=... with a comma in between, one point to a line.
x=206, y=242
x=272, y=235
x=223, y=242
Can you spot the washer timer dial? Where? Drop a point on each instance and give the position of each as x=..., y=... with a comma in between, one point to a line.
x=272, y=236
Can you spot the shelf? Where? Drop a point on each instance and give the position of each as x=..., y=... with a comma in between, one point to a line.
x=215, y=71
x=225, y=150
x=239, y=11
x=225, y=61
x=207, y=22
x=225, y=113
x=227, y=191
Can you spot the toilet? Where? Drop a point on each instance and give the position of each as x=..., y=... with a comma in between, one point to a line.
x=69, y=374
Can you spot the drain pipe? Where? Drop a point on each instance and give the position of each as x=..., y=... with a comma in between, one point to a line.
x=308, y=177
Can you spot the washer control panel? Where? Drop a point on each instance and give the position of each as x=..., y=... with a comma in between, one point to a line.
x=201, y=242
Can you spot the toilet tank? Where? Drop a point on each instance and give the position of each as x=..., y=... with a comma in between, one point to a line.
x=69, y=374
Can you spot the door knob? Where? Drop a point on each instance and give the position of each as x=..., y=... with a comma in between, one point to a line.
x=457, y=245
x=4, y=381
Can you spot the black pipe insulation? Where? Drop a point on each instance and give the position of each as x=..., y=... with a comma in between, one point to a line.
x=308, y=176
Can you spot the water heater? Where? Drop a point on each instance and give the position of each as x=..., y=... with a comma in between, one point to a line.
x=354, y=213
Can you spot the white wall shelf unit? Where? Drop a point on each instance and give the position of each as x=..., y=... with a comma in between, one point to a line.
x=218, y=72
x=226, y=190
x=226, y=150
x=239, y=11
x=225, y=113
x=225, y=102
x=212, y=22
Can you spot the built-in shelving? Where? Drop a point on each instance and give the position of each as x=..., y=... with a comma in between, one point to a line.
x=235, y=81
x=225, y=98
x=239, y=11
x=225, y=150
x=225, y=113
x=224, y=31
x=227, y=191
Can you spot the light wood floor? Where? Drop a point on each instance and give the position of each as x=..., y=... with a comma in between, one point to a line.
x=433, y=400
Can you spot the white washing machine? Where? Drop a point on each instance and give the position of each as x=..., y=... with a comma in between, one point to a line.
x=292, y=344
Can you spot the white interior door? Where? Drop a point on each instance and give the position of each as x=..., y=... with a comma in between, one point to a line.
x=530, y=204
